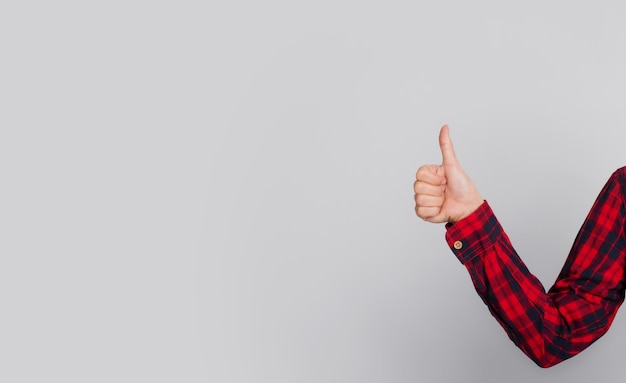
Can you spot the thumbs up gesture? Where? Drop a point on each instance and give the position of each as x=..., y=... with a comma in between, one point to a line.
x=444, y=193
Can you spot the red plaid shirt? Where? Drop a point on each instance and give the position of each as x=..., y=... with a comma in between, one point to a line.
x=550, y=327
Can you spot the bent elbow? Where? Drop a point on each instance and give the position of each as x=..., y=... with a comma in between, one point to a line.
x=547, y=362
x=546, y=357
x=550, y=356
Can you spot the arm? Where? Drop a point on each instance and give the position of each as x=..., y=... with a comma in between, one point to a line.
x=579, y=308
x=549, y=327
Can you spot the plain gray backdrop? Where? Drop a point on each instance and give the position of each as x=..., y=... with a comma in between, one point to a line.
x=222, y=191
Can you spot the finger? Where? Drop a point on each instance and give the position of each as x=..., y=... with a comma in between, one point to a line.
x=427, y=213
x=429, y=174
x=421, y=187
x=423, y=200
x=447, y=149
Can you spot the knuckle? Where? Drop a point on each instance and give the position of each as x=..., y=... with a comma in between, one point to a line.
x=420, y=172
x=423, y=213
x=419, y=199
x=422, y=200
x=420, y=212
x=419, y=187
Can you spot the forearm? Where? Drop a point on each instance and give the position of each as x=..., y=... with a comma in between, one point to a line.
x=548, y=327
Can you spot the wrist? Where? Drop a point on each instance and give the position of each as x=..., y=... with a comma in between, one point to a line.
x=471, y=208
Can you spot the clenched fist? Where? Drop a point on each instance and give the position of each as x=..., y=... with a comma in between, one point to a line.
x=444, y=193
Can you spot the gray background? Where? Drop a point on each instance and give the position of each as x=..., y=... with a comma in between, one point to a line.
x=222, y=192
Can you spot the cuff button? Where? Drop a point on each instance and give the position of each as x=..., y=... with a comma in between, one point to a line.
x=458, y=245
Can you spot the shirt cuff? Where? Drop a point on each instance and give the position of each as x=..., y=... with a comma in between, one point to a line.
x=473, y=234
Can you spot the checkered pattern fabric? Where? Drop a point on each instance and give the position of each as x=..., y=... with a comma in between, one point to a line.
x=550, y=326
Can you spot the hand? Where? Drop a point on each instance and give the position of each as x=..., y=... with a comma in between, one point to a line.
x=444, y=193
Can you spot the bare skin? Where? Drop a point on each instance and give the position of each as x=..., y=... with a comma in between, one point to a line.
x=444, y=193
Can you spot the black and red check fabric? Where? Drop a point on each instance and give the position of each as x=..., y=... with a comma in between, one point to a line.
x=550, y=326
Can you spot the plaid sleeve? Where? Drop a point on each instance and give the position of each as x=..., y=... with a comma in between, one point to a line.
x=550, y=326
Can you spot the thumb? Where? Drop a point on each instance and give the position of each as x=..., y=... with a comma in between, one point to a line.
x=447, y=150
